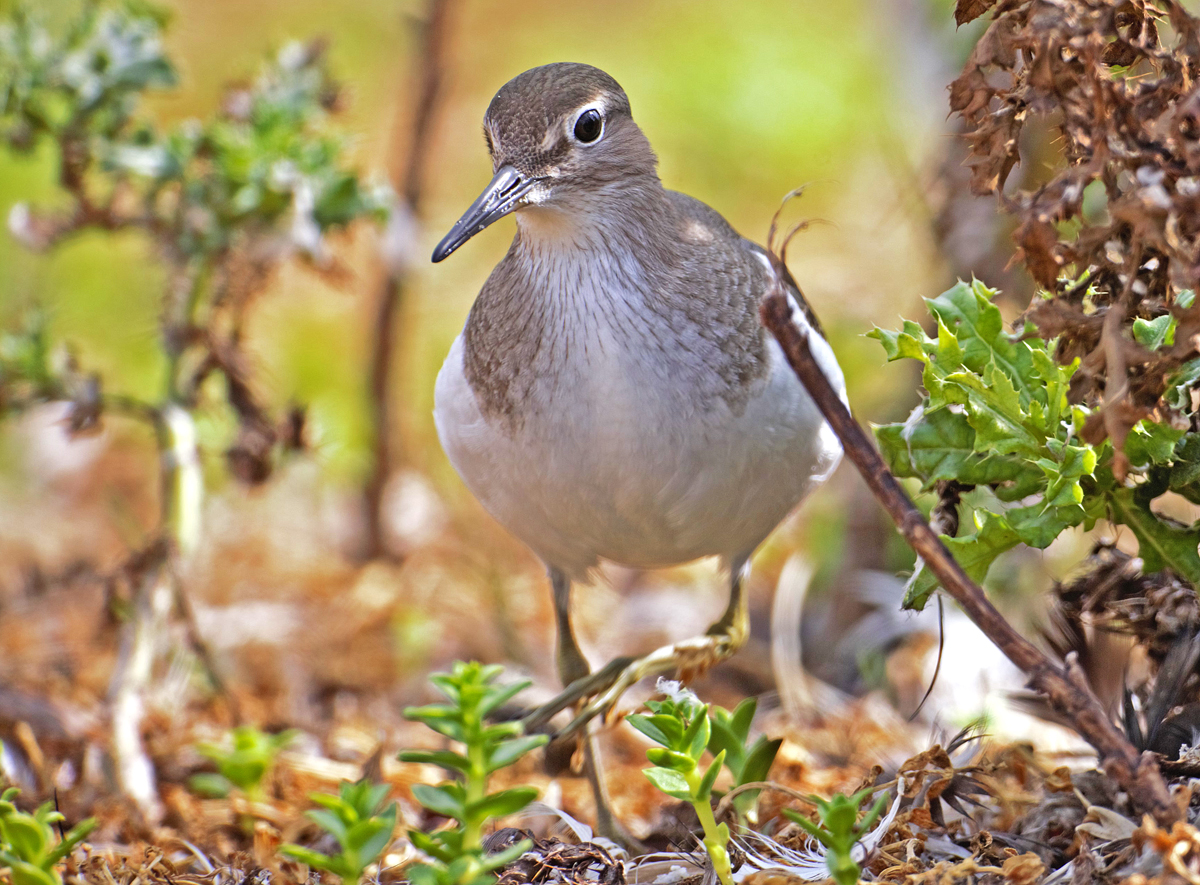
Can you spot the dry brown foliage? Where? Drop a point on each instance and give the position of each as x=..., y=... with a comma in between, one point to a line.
x=1112, y=231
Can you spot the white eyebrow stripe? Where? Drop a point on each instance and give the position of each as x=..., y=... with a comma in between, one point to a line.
x=551, y=136
x=493, y=136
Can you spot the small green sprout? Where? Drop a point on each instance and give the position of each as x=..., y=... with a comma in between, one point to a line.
x=840, y=830
x=457, y=854
x=243, y=762
x=730, y=733
x=355, y=820
x=680, y=723
x=28, y=843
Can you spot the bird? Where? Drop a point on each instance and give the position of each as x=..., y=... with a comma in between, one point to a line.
x=613, y=395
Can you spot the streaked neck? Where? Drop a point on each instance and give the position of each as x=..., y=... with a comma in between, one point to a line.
x=626, y=214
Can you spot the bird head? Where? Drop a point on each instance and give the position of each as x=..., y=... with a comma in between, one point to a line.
x=561, y=137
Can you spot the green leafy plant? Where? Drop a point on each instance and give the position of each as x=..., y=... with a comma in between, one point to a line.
x=729, y=733
x=680, y=723
x=243, y=761
x=995, y=416
x=224, y=201
x=357, y=820
x=839, y=829
x=29, y=847
x=457, y=853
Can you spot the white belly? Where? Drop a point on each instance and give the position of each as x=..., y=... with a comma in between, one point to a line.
x=617, y=462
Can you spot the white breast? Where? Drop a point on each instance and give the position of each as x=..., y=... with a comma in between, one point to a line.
x=617, y=461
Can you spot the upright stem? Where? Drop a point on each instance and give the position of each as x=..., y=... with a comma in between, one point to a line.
x=135, y=770
x=407, y=182
x=476, y=790
x=182, y=481
x=180, y=498
x=716, y=846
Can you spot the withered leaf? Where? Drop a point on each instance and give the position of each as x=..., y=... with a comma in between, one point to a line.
x=1115, y=180
x=1038, y=241
x=969, y=10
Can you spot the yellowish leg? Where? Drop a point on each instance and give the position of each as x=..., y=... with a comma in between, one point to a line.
x=573, y=667
x=601, y=691
x=568, y=658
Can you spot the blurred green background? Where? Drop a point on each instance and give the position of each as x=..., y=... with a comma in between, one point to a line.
x=742, y=101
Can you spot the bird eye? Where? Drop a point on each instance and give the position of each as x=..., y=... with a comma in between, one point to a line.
x=589, y=126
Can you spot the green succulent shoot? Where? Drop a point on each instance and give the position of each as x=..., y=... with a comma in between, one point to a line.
x=358, y=821
x=29, y=845
x=680, y=725
x=748, y=762
x=457, y=855
x=839, y=829
x=243, y=761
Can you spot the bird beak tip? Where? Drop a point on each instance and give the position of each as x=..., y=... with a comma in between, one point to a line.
x=502, y=196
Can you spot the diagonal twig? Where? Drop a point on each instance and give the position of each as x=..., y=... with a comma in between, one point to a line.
x=1065, y=689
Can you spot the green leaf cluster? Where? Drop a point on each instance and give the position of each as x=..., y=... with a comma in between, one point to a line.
x=839, y=829
x=25, y=361
x=267, y=164
x=84, y=78
x=995, y=414
x=748, y=763
x=29, y=847
x=681, y=726
x=357, y=820
x=457, y=853
x=1160, y=331
x=243, y=761
x=224, y=199
x=268, y=160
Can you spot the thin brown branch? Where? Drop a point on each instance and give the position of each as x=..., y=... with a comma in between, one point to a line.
x=434, y=31
x=406, y=179
x=40, y=233
x=1135, y=773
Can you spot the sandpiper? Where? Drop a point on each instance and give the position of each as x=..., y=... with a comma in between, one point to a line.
x=613, y=395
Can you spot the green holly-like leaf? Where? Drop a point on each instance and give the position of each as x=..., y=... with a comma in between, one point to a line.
x=1156, y=332
x=996, y=414
x=1184, y=476
x=967, y=311
x=1149, y=444
x=975, y=553
x=994, y=409
x=910, y=342
x=940, y=445
x=1182, y=384
x=1160, y=544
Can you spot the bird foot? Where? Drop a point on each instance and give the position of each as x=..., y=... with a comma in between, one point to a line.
x=598, y=693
